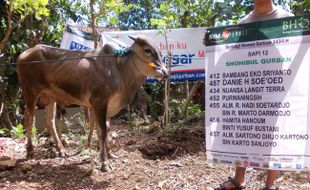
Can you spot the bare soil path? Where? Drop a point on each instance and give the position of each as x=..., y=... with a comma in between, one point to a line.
x=147, y=160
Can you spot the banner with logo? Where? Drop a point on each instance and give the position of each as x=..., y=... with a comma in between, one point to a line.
x=185, y=45
x=77, y=38
x=188, y=62
x=257, y=94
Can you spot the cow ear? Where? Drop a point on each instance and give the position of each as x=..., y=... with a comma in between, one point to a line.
x=133, y=38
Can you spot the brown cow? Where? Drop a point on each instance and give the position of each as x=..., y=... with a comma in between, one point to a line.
x=105, y=83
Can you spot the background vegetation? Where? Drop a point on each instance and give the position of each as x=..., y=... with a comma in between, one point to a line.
x=25, y=23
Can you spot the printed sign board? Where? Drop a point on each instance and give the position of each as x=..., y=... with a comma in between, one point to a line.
x=257, y=94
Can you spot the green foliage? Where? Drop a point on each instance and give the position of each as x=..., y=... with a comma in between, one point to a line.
x=17, y=132
x=300, y=7
x=176, y=109
x=156, y=105
x=83, y=141
x=172, y=127
x=109, y=11
x=63, y=10
x=27, y=7
x=105, y=11
x=3, y=132
x=168, y=17
x=18, y=39
x=180, y=13
x=34, y=132
x=176, y=105
x=194, y=108
x=134, y=121
x=86, y=152
x=137, y=14
x=156, y=109
x=49, y=19
x=298, y=176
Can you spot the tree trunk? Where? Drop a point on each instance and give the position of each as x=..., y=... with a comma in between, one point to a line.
x=187, y=88
x=92, y=24
x=5, y=121
x=8, y=31
x=1, y=109
x=184, y=21
x=166, y=118
x=189, y=98
x=5, y=38
x=35, y=38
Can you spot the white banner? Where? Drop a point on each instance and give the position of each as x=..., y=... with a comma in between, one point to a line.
x=257, y=96
x=75, y=39
x=188, y=62
x=185, y=45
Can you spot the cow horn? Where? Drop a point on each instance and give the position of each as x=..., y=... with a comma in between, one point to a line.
x=132, y=37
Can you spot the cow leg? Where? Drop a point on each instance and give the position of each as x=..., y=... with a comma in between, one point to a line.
x=60, y=115
x=103, y=150
x=29, y=114
x=110, y=141
x=100, y=113
x=50, y=112
x=58, y=119
x=30, y=102
x=59, y=127
x=91, y=123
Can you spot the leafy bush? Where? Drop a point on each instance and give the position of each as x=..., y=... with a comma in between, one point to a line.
x=18, y=132
x=176, y=108
x=194, y=108
x=3, y=132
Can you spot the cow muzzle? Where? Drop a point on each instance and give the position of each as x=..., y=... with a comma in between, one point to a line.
x=161, y=73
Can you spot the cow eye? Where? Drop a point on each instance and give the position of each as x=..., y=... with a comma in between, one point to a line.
x=147, y=50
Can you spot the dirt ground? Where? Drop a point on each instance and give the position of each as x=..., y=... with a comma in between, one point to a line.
x=147, y=159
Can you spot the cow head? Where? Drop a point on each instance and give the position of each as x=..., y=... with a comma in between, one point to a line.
x=150, y=60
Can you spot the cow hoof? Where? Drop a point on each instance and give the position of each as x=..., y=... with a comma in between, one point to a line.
x=112, y=156
x=106, y=168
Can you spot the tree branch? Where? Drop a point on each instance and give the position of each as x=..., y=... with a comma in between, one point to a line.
x=10, y=27
x=190, y=97
x=9, y=11
x=93, y=17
